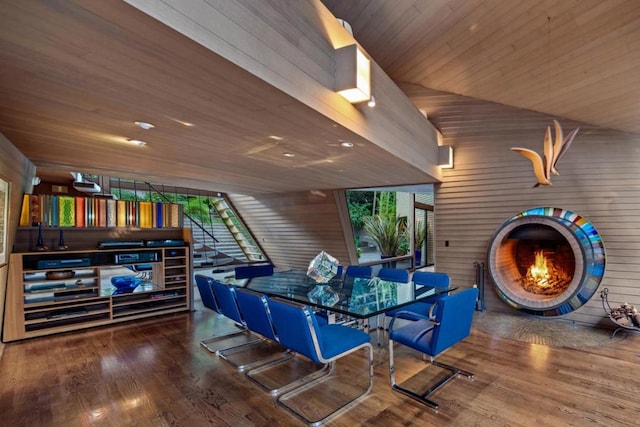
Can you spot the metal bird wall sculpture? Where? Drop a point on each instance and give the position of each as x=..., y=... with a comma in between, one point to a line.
x=543, y=168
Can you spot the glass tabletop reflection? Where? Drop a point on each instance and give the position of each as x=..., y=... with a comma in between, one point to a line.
x=356, y=297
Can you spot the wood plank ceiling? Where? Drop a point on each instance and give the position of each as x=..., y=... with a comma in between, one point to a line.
x=74, y=75
x=573, y=59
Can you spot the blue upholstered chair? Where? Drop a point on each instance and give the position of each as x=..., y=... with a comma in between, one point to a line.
x=254, y=312
x=225, y=301
x=394, y=275
x=430, y=278
x=422, y=280
x=299, y=331
x=204, y=284
x=355, y=272
x=361, y=271
x=259, y=320
x=449, y=324
x=249, y=271
x=205, y=289
x=389, y=275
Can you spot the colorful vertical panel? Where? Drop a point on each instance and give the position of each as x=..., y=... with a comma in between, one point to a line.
x=145, y=214
x=66, y=211
x=71, y=211
x=25, y=212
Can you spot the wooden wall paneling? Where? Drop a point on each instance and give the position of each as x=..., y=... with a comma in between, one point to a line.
x=489, y=184
x=293, y=228
x=468, y=217
x=19, y=171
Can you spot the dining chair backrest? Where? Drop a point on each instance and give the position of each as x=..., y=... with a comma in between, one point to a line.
x=430, y=278
x=453, y=316
x=355, y=271
x=226, y=298
x=204, y=284
x=249, y=271
x=394, y=275
x=254, y=309
x=297, y=328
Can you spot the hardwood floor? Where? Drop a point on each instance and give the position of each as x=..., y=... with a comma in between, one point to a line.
x=155, y=373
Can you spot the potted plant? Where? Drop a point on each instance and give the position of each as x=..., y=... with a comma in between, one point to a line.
x=419, y=235
x=387, y=233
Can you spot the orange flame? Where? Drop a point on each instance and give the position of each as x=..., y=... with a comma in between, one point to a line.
x=539, y=271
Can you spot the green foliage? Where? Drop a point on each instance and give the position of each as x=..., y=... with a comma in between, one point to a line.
x=367, y=203
x=403, y=247
x=387, y=233
x=386, y=204
x=360, y=204
x=356, y=213
x=420, y=233
x=196, y=207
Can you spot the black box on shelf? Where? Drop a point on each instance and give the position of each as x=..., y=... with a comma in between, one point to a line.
x=136, y=257
x=164, y=243
x=63, y=263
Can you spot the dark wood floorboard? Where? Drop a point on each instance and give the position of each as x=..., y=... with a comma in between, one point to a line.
x=155, y=373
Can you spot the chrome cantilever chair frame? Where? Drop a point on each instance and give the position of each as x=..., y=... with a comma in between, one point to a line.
x=253, y=374
x=425, y=334
x=309, y=346
x=228, y=307
x=389, y=275
x=422, y=279
x=253, y=307
x=205, y=287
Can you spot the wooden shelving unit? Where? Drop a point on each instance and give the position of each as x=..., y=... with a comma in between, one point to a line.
x=38, y=303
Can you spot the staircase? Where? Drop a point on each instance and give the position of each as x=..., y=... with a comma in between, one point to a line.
x=220, y=243
x=247, y=247
x=209, y=253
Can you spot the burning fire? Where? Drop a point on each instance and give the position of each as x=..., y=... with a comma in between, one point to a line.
x=539, y=271
x=544, y=277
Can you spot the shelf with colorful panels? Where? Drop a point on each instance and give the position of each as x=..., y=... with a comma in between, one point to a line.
x=61, y=291
x=52, y=210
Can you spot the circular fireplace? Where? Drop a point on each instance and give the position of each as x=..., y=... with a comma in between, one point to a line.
x=546, y=261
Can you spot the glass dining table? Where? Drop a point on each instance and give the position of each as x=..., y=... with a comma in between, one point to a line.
x=355, y=298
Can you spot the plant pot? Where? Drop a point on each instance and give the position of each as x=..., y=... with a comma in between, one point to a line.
x=392, y=264
x=418, y=257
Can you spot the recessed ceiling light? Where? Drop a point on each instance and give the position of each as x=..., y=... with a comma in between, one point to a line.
x=182, y=122
x=137, y=142
x=144, y=125
x=346, y=144
x=275, y=137
x=288, y=154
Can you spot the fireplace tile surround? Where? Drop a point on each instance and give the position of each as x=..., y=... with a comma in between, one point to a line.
x=581, y=237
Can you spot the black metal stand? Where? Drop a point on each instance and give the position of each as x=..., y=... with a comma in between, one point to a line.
x=480, y=275
x=604, y=294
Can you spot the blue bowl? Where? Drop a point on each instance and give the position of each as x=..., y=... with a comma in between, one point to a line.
x=125, y=283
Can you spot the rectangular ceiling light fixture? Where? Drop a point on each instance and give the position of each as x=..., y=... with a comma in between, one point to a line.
x=352, y=74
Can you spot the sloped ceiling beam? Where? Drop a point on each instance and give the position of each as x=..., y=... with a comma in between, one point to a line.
x=290, y=45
